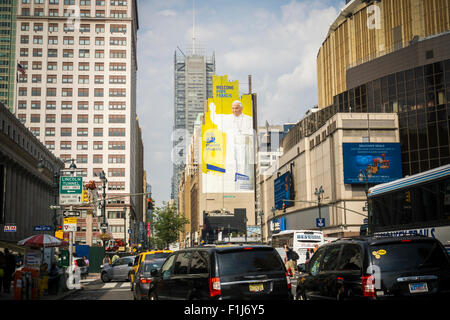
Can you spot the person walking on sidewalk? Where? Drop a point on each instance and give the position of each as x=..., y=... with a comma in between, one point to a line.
x=86, y=261
x=10, y=267
x=2, y=270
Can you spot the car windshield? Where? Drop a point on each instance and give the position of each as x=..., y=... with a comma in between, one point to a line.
x=408, y=256
x=153, y=264
x=157, y=256
x=248, y=261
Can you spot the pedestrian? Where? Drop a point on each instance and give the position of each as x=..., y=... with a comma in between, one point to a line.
x=106, y=259
x=115, y=258
x=53, y=279
x=86, y=260
x=316, y=247
x=10, y=267
x=290, y=260
x=2, y=269
x=43, y=279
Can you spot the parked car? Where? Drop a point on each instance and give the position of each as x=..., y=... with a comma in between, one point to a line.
x=119, y=270
x=79, y=263
x=221, y=272
x=147, y=255
x=377, y=268
x=143, y=278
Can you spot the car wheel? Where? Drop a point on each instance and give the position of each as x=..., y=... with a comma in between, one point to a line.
x=105, y=277
x=152, y=296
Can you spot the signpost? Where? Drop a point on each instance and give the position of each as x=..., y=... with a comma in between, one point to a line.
x=70, y=190
x=42, y=228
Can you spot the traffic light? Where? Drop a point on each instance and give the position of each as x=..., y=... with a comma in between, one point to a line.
x=85, y=196
x=284, y=206
x=408, y=196
x=150, y=204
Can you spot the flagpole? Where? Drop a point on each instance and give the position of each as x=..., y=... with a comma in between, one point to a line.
x=15, y=104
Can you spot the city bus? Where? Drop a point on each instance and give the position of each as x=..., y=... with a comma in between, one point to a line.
x=417, y=204
x=298, y=240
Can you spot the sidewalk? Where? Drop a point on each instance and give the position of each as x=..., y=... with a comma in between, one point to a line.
x=62, y=293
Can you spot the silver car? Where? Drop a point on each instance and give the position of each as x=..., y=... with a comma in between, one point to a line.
x=119, y=270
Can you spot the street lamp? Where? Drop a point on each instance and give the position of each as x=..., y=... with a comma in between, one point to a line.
x=364, y=176
x=104, y=181
x=125, y=228
x=318, y=193
x=44, y=163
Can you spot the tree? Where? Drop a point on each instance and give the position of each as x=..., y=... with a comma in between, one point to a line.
x=167, y=225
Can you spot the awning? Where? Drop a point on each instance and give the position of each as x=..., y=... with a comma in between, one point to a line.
x=13, y=247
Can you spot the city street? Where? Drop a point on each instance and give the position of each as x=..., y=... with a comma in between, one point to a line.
x=97, y=290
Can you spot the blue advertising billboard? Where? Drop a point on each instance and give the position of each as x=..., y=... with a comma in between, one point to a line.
x=383, y=160
x=283, y=190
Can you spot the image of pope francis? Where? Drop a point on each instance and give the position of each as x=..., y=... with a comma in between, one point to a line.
x=239, y=130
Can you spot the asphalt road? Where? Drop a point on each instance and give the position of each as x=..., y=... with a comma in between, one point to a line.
x=97, y=290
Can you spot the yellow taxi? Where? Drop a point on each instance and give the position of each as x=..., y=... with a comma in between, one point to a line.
x=154, y=254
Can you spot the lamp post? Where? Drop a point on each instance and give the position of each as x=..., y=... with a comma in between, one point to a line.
x=55, y=188
x=104, y=181
x=125, y=228
x=318, y=193
x=364, y=176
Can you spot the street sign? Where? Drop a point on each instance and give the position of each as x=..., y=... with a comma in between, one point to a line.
x=71, y=213
x=59, y=234
x=70, y=224
x=104, y=226
x=130, y=231
x=42, y=228
x=320, y=222
x=70, y=190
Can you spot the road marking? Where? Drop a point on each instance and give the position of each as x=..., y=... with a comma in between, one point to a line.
x=109, y=285
x=126, y=284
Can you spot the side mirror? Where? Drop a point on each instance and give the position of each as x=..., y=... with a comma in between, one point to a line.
x=130, y=264
x=154, y=273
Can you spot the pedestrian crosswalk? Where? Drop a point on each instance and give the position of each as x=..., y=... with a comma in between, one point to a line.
x=110, y=285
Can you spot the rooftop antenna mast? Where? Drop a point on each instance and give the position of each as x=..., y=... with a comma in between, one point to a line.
x=193, y=27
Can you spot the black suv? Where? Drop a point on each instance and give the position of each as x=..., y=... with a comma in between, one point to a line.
x=377, y=268
x=221, y=272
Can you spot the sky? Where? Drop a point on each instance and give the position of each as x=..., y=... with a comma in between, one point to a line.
x=274, y=41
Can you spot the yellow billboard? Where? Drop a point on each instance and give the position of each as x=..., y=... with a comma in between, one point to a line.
x=227, y=140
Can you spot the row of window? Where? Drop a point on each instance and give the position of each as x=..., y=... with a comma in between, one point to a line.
x=81, y=145
x=112, y=172
x=69, y=40
x=82, y=79
x=69, y=53
x=67, y=105
x=81, y=118
x=67, y=132
x=54, y=27
x=39, y=12
x=68, y=66
x=68, y=92
x=98, y=145
x=81, y=2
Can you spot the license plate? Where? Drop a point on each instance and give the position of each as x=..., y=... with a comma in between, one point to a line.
x=418, y=287
x=256, y=287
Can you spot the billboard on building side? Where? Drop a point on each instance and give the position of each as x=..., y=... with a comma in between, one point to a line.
x=382, y=160
x=283, y=190
x=227, y=140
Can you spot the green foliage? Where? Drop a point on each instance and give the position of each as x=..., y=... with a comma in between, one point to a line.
x=167, y=225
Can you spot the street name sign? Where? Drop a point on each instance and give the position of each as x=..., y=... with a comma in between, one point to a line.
x=42, y=228
x=70, y=190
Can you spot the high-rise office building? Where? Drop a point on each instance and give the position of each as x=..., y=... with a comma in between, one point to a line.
x=8, y=9
x=78, y=95
x=193, y=86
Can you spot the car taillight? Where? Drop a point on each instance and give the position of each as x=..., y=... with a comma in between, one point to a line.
x=214, y=287
x=288, y=281
x=145, y=280
x=368, y=286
